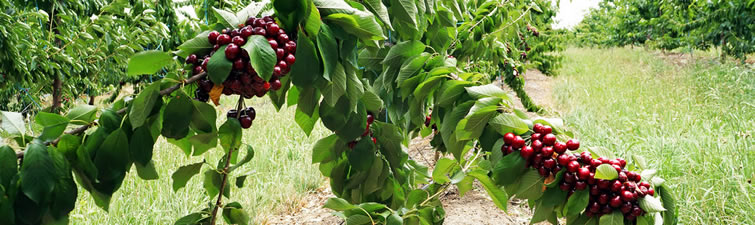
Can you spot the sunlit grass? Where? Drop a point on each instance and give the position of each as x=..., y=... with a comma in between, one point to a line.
x=694, y=123
x=280, y=173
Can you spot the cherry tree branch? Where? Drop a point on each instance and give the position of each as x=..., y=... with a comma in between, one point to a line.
x=164, y=92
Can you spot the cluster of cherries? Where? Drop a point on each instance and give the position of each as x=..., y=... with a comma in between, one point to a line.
x=243, y=79
x=548, y=156
x=533, y=30
x=245, y=116
x=427, y=121
x=367, y=131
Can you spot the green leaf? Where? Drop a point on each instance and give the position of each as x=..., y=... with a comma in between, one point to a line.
x=230, y=135
x=199, y=45
x=328, y=47
x=219, y=67
x=378, y=8
x=505, y=123
x=394, y=219
x=542, y=212
x=313, y=22
x=442, y=167
x=360, y=24
x=148, y=62
x=669, y=216
x=406, y=10
x=253, y=9
x=82, y=114
x=403, y=50
x=112, y=159
x=203, y=142
x=531, y=186
x=191, y=219
x=184, y=173
x=338, y=204
x=363, y=155
x=12, y=122
x=357, y=219
x=306, y=70
x=651, y=204
x=615, y=218
x=240, y=181
x=452, y=91
x=248, y=157
x=490, y=90
x=140, y=146
x=226, y=18
x=606, y=172
x=177, y=117
x=203, y=118
x=261, y=56
x=337, y=87
x=508, y=169
x=54, y=125
x=147, y=171
x=371, y=101
x=235, y=216
x=577, y=202
x=8, y=166
x=322, y=151
x=212, y=181
x=602, y=152
x=305, y=122
x=37, y=175
x=412, y=66
x=499, y=196
x=143, y=105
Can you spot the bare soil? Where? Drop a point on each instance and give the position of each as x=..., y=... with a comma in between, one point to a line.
x=475, y=207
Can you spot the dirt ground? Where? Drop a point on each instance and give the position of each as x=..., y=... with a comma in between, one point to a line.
x=475, y=207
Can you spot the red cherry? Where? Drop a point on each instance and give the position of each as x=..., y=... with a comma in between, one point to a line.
x=223, y=39
x=266, y=86
x=615, y=202
x=250, y=21
x=238, y=40
x=547, y=129
x=260, y=31
x=583, y=173
x=595, y=207
x=617, y=168
x=374, y=140
x=518, y=142
x=370, y=118
x=604, y=184
x=204, y=63
x=246, y=32
x=622, y=162
x=197, y=70
x=537, y=145
x=538, y=128
x=563, y=160
x=268, y=19
x=603, y=160
x=603, y=199
x=650, y=192
x=277, y=71
x=564, y=186
x=591, y=180
x=549, y=163
x=638, y=177
x=631, y=175
x=543, y=171
x=627, y=196
x=616, y=186
x=626, y=207
x=637, y=211
x=290, y=47
x=573, y=166
x=594, y=190
x=569, y=178
x=547, y=151
x=580, y=185
x=622, y=177
x=275, y=85
x=280, y=53
x=503, y=149
x=572, y=144
x=273, y=43
x=595, y=163
x=273, y=29
x=290, y=59
x=283, y=65
x=245, y=121
x=527, y=152
x=191, y=59
x=559, y=147
x=234, y=33
x=508, y=138
x=213, y=37
x=238, y=64
x=258, y=23
x=536, y=136
x=549, y=139
x=231, y=51
x=644, y=184
x=283, y=38
x=586, y=156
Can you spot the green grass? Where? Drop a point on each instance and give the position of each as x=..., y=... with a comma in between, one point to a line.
x=281, y=174
x=695, y=123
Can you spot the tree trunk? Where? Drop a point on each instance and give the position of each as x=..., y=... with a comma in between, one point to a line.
x=91, y=100
x=56, y=94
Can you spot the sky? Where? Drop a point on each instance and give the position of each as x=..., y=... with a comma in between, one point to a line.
x=572, y=12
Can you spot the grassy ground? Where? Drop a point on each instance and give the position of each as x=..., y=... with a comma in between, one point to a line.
x=694, y=122
x=281, y=174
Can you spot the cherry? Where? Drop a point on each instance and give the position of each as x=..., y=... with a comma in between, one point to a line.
x=572, y=144
x=518, y=142
x=650, y=192
x=622, y=162
x=509, y=150
x=614, y=162
x=279, y=52
x=595, y=163
x=232, y=51
x=594, y=190
x=637, y=177
x=563, y=160
x=641, y=192
x=283, y=38
x=275, y=85
x=290, y=47
x=223, y=39
x=547, y=129
x=549, y=163
x=549, y=139
x=191, y=59
x=537, y=145
x=246, y=32
x=427, y=121
x=273, y=28
x=197, y=70
x=352, y=144
x=586, y=156
x=250, y=21
x=603, y=160
x=245, y=121
x=213, y=37
x=627, y=196
x=526, y=152
x=238, y=64
x=232, y=113
x=374, y=140
x=266, y=85
x=626, y=207
x=503, y=148
x=273, y=43
x=204, y=63
x=631, y=175
x=637, y=211
x=583, y=173
x=508, y=138
x=591, y=180
x=580, y=185
x=569, y=178
x=290, y=59
x=616, y=186
x=238, y=40
x=559, y=147
x=370, y=118
x=622, y=177
x=536, y=136
x=547, y=151
x=603, y=199
x=615, y=202
x=258, y=23
x=573, y=166
x=606, y=209
x=277, y=71
x=260, y=31
x=604, y=184
x=595, y=207
x=283, y=65
x=538, y=128
x=644, y=184
x=249, y=111
x=617, y=168
x=543, y=171
x=564, y=186
x=268, y=19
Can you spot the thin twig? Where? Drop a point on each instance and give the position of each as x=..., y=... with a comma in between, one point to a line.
x=219, y=202
x=122, y=111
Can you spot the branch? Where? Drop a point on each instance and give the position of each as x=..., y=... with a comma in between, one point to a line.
x=164, y=92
